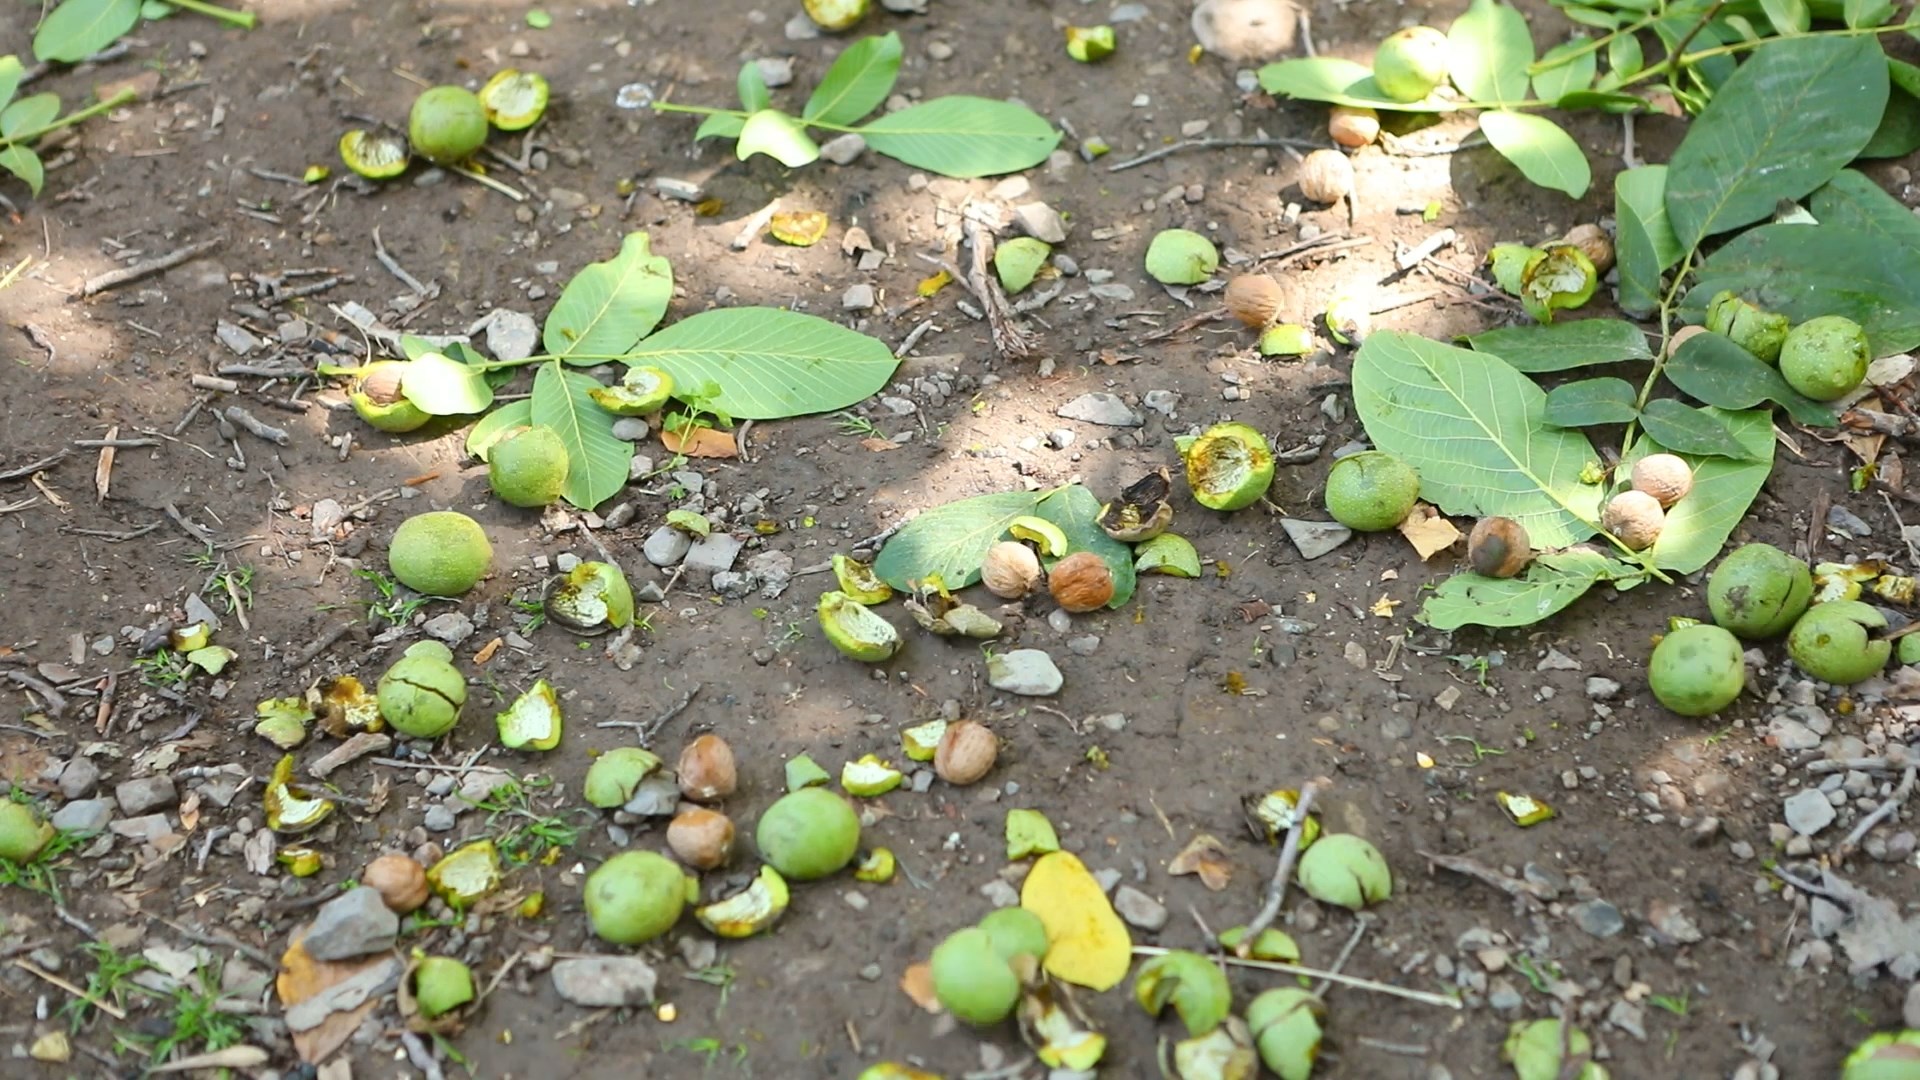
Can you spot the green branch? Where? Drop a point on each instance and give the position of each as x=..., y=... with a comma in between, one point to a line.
x=245, y=20
x=22, y=138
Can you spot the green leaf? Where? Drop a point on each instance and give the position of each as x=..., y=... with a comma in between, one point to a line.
x=777, y=135
x=482, y=436
x=964, y=136
x=1644, y=245
x=1490, y=50
x=1475, y=429
x=1686, y=430
x=1586, y=16
x=608, y=306
x=1804, y=271
x=1899, y=132
x=1337, y=82
x=857, y=82
x=765, y=363
x=79, y=28
x=1788, y=17
x=1625, y=58
x=1722, y=374
x=11, y=72
x=1077, y=511
x=1565, y=77
x=1550, y=583
x=951, y=540
x=29, y=114
x=1604, y=101
x=1853, y=201
x=596, y=461
x=1698, y=526
x=1786, y=121
x=720, y=126
x=1540, y=148
x=443, y=386
x=1590, y=402
x=1862, y=13
x=752, y=87
x=1561, y=346
x=25, y=164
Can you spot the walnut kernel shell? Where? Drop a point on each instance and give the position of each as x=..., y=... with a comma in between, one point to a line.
x=1353, y=126
x=706, y=770
x=1081, y=582
x=701, y=838
x=1256, y=300
x=1635, y=518
x=1326, y=176
x=1664, y=476
x=966, y=752
x=1010, y=570
x=400, y=880
x=1594, y=242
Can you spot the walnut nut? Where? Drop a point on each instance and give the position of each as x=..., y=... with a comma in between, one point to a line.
x=1634, y=518
x=701, y=838
x=966, y=753
x=1256, y=300
x=1326, y=176
x=1663, y=476
x=1081, y=582
x=1498, y=547
x=1010, y=570
x=706, y=769
x=1352, y=126
x=400, y=881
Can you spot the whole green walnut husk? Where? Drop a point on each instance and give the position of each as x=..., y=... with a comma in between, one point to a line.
x=1825, y=358
x=972, y=980
x=1831, y=642
x=635, y=897
x=1759, y=591
x=1344, y=869
x=448, y=125
x=439, y=553
x=1411, y=63
x=421, y=696
x=808, y=834
x=528, y=468
x=1885, y=1055
x=22, y=833
x=1697, y=670
x=1015, y=931
x=1371, y=491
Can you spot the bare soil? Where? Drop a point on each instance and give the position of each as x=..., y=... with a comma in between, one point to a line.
x=1336, y=683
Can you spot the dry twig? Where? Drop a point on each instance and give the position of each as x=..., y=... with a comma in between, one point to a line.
x=1283, y=871
x=113, y=279
x=1010, y=339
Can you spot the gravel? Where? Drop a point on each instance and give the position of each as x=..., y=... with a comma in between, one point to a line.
x=1808, y=811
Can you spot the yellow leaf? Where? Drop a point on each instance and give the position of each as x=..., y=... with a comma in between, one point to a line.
x=1428, y=532
x=1087, y=945
x=934, y=284
x=1384, y=606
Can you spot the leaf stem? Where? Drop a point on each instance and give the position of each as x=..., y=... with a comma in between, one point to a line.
x=245, y=20
x=1593, y=46
x=1674, y=64
x=23, y=138
x=702, y=110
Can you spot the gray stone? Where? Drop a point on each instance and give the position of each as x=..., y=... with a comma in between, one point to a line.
x=439, y=818
x=858, y=297
x=666, y=546
x=732, y=584
x=631, y=429
x=1085, y=645
x=1671, y=921
x=843, y=149
x=1825, y=918
x=235, y=338
x=197, y=611
x=640, y=467
x=1315, y=538
x=775, y=71
x=1139, y=909
x=1040, y=221
x=1112, y=290
x=84, y=816
x=1911, y=1012
x=79, y=778
x=1600, y=688
x=1161, y=401
x=605, y=982
x=711, y=554
x=146, y=794
x=1028, y=672
x=898, y=406
x=374, y=981
x=1504, y=998
x=1791, y=736
x=1106, y=877
x=1059, y=438
x=147, y=828
x=450, y=628
x=1104, y=409
x=355, y=923
x=770, y=572
x=1000, y=894
x=1629, y=1018
x=511, y=335
x=656, y=796
x=1808, y=811
x=1599, y=918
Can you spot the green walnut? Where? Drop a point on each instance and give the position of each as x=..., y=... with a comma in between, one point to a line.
x=1832, y=642
x=439, y=553
x=1411, y=63
x=1286, y=1026
x=529, y=467
x=1825, y=358
x=441, y=984
x=22, y=833
x=836, y=15
x=1759, y=591
x=447, y=125
x=1697, y=670
x=972, y=980
x=1229, y=467
x=1885, y=1055
x=615, y=775
x=1754, y=329
x=1371, y=491
x=377, y=398
x=1015, y=931
x=421, y=695
x=1344, y=869
x=808, y=834
x=635, y=897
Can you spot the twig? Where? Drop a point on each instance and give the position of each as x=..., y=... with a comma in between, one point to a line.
x=754, y=225
x=646, y=730
x=1354, y=981
x=109, y=535
x=1283, y=871
x=217, y=940
x=487, y=181
x=113, y=279
x=319, y=645
x=195, y=531
x=240, y=417
x=113, y=444
x=1009, y=338
x=1385, y=1047
x=1460, y=864
x=1881, y=813
x=913, y=338
x=56, y=703
x=1214, y=144
x=394, y=267
x=1810, y=888
x=1346, y=952
x=25, y=471
x=107, y=1007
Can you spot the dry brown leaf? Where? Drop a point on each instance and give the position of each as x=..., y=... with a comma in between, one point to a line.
x=917, y=983
x=879, y=446
x=301, y=977
x=1865, y=447
x=190, y=811
x=701, y=442
x=1428, y=531
x=1205, y=856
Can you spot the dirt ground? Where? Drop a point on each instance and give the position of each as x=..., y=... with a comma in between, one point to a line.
x=1330, y=688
